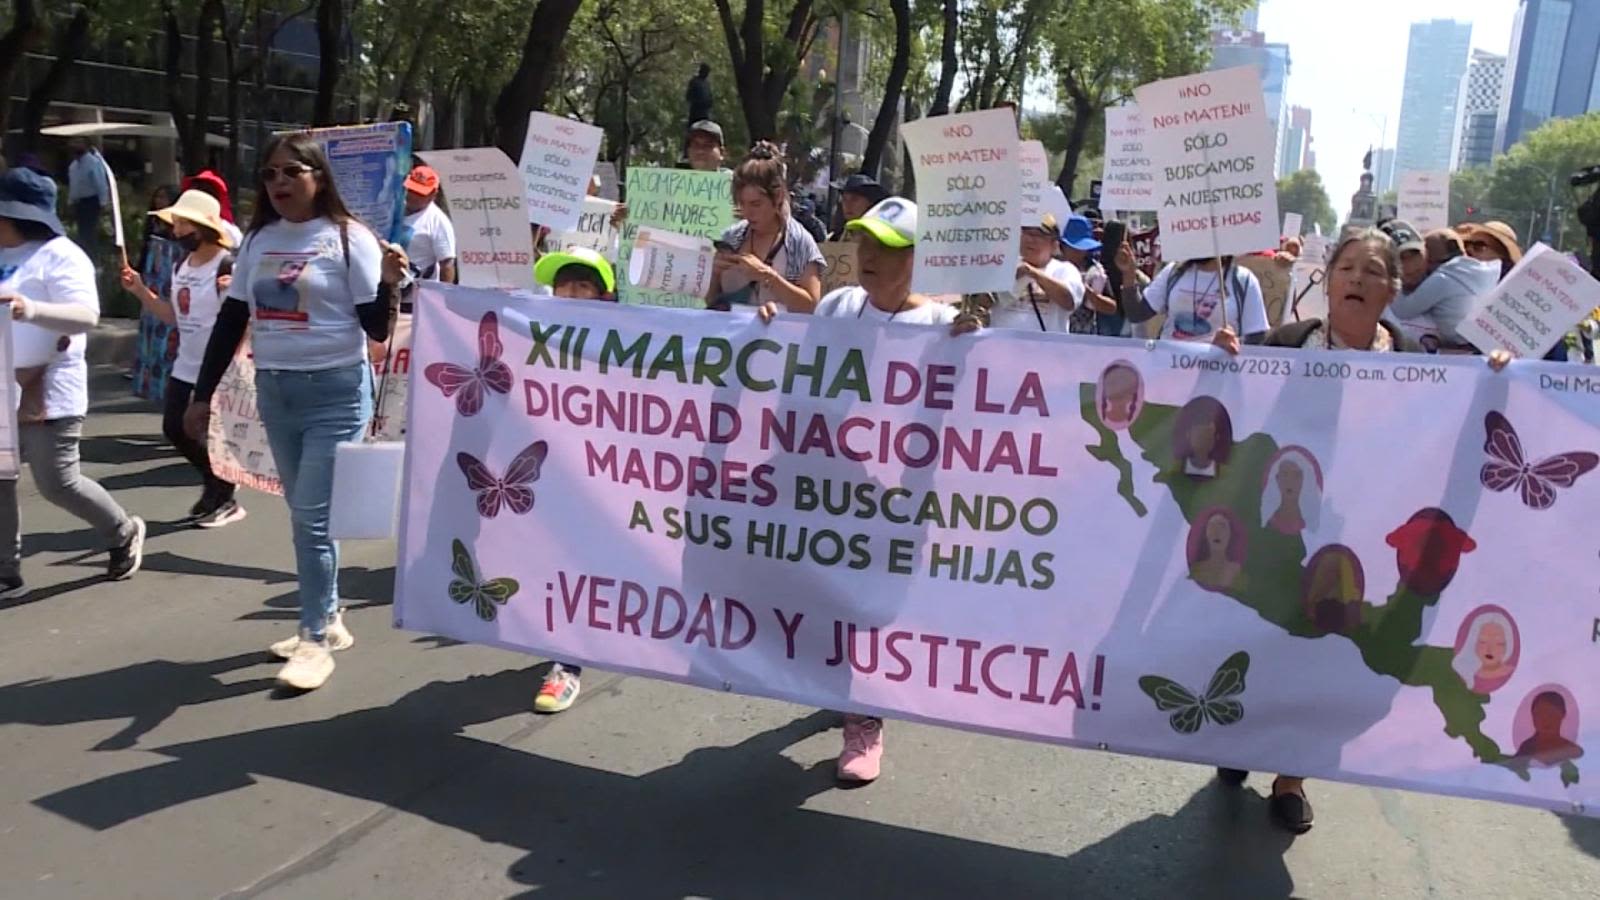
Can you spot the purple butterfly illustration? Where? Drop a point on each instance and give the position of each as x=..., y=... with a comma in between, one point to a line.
x=512, y=491
x=468, y=385
x=1508, y=468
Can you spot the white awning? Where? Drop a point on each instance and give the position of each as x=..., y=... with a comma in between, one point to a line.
x=123, y=129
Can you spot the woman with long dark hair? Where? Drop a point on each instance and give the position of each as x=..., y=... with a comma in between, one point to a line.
x=314, y=284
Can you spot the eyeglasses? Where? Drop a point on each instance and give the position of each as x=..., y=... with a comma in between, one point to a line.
x=269, y=174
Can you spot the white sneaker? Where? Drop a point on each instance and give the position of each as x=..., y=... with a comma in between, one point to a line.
x=309, y=667
x=339, y=638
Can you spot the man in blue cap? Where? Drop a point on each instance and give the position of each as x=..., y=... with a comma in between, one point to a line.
x=1097, y=314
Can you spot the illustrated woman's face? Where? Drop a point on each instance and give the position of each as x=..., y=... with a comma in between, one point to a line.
x=1291, y=478
x=1218, y=531
x=1492, y=644
x=1122, y=386
x=1547, y=716
x=1202, y=440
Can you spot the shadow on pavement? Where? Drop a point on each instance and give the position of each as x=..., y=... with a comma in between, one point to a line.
x=166, y=561
x=359, y=588
x=723, y=822
x=39, y=594
x=1584, y=833
x=176, y=474
x=125, y=448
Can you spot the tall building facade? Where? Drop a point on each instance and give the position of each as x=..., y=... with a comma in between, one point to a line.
x=1552, y=72
x=1477, y=110
x=1297, y=153
x=1436, y=60
x=1383, y=170
x=1250, y=48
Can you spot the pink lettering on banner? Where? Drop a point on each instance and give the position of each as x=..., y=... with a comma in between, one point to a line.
x=871, y=520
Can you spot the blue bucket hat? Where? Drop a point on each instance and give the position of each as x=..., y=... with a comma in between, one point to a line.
x=27, y=196
x=1079, y=235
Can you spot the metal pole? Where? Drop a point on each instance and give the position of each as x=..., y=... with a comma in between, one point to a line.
x=838, y=117
x=1549, y=206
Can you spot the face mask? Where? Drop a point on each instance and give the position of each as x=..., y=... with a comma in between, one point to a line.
x=189, y=242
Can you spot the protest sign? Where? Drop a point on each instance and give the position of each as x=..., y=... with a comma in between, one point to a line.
x=1542, y=298
x=557, y=160
x=483, y=190
x=879, y=520
x=1035, y=175
x=671, y=263
x=1424, y=200
x=1292, y=223
x=370, y=163
x=594, y=230
x=9, y=466
x=391, y=372
x=683, y=201
x=1130, y=176
x=842, y=265
x=1214, y=154
x=1057, y=204
x=1274, y=277
x=236, y=439
x=968, y=179
x=607, y=170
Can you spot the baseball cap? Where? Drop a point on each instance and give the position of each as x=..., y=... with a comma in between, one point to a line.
x=422, y=180
x=864, y=185
x=1404, y=235
x=706, y=126
x=892, y=221
x=1079, y=234
x=550, y=264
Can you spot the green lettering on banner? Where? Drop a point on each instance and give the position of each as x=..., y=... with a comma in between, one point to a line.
x=698, y=204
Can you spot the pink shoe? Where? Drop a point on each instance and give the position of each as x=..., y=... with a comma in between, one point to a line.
x=863, y=749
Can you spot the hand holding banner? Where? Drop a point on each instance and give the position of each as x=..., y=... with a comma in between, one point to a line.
x=968, y=182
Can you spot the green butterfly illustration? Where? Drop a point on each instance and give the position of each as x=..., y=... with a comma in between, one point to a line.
x=466, y=588
x=1218, y=704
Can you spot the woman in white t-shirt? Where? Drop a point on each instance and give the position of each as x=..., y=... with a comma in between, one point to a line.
x=49, y=285
x=307, y=283
x=197, y=285
x=886, y=236
x=1047, y=290
x=1190, y=293
x=767, y=256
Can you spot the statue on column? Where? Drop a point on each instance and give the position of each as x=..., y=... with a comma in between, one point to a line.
x=1364, y=202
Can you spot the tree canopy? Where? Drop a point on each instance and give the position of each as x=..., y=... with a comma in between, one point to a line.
x=1302, y=193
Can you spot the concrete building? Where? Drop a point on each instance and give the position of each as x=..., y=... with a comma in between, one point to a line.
x=1477, y=110
x=1552, y=72
x=1296, y=152
x=1232, y=48
x=1436, y=60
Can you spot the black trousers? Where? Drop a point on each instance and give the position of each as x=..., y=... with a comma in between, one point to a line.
x=177, y=398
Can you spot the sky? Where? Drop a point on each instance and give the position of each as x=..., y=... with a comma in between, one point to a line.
x=1347, y=63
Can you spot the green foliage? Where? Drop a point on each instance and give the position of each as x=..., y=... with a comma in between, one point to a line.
x=1303, y=193
x=1530, y=182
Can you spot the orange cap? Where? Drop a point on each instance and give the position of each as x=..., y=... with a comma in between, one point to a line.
x=422, y=180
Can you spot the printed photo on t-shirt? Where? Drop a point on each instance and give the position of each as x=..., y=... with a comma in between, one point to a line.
x=277, y=288
x=1195, y=306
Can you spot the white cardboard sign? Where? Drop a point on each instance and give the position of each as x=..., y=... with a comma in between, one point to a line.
x=1214, y=152
x=1424, y=200
x=675, y=263
x=1292, y=224
x=1035, y=165
x=968, y=181
x=1533, y=307
x=1129, y=181
x=558, y=157
x=594, y=230
x=485, y=194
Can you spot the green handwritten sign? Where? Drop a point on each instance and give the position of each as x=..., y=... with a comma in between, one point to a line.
x=681, y=200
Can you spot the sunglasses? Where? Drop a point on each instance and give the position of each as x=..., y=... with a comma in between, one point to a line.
x=1476, y=246
x=269, y=174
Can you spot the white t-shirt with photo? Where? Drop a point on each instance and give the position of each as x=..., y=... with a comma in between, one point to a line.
x=1193, y=303
x=1015, y=309
x=433, y=240
x=851, y=303
x=303, y=290
x=195, y=302
x=55, y=271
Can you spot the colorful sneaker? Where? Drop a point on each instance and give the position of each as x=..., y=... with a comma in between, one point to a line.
x=226, y=513
x=126, y=560
x=339, y=638
x=863, y=749
x=309, y=667
x=558, y=693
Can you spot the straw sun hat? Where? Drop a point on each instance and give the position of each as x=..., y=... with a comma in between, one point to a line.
x=199, y=208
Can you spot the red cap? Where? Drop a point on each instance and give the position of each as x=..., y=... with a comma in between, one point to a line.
x=423, y=180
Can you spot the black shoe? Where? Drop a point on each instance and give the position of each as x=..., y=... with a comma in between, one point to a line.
x=126, y=560
x=12, y=587
x=1232, y=777
x=210, y=500
x=226, y=513
x=1291, y=812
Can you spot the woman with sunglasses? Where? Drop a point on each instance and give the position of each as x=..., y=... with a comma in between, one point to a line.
x=313, y=284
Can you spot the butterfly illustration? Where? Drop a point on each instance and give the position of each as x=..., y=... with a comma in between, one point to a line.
x=1537, y=482
x=1190, y=712
x=467, y=385
x=511, y=491
x=466, y=588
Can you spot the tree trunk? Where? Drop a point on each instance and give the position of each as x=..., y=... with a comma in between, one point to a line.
x=25, y=32
x=872, y=159
x=192, y=145
x=526, y=90
x=762, y=88
x=1082, y=117
x=948, y=61
x=69, y=46
x=330, y=59
x=230, y=64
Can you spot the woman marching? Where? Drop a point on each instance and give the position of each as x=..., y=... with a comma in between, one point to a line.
x=314, y=284
x=197, y=284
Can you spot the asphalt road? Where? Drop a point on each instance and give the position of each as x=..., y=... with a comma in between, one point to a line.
x=144, y=753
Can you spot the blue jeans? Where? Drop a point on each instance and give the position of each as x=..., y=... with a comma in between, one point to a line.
x=308, y=414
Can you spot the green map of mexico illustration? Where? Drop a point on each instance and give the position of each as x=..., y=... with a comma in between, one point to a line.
x=1272, y=576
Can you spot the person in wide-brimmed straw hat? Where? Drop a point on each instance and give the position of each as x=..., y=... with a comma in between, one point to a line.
x=1491, y=242
x=198, y=283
